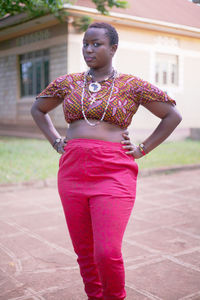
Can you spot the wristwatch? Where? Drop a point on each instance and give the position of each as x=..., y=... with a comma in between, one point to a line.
x=57, y=140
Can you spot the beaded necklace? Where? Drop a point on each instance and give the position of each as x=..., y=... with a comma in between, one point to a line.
x=108, y=101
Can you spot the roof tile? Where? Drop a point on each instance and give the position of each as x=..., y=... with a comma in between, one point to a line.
x=182, y=12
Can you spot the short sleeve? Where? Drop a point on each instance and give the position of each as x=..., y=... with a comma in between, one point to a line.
x=57, y=88
x=150, y=93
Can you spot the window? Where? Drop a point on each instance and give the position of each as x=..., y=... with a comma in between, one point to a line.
x=34, y=72
x=166, y=70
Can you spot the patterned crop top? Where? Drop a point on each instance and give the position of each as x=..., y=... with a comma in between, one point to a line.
x=128, y=93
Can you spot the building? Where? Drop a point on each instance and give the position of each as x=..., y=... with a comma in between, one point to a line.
x=159, y=41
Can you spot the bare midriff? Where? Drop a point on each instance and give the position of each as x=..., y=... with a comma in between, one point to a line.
x=103, y=131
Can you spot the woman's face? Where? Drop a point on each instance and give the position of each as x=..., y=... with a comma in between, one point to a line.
x=97, y=50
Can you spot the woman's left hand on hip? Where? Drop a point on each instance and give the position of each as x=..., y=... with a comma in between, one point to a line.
x=132, y=148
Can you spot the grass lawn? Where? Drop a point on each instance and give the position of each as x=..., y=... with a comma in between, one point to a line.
x=172, y=154
x=29, y=159
x=26, y=159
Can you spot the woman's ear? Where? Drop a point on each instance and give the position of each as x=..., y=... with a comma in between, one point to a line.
x=114, y=49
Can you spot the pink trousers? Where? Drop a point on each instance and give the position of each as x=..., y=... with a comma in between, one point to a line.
x=97, y=187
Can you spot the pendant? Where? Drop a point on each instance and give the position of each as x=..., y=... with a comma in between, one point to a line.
x=94, y=87
x=92, y=100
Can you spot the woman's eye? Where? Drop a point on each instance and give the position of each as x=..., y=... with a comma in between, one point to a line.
x=85, y=45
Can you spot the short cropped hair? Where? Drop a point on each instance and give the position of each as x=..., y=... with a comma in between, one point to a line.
x=110, y=31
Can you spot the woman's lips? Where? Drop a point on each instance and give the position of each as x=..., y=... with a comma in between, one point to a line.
x=88, y=59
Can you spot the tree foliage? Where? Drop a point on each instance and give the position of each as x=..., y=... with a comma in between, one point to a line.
x=37, y=8
x=104, y=5
x=34, y=8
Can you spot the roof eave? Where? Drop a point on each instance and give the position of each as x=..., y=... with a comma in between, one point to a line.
x=19, y=29
x=133, y=21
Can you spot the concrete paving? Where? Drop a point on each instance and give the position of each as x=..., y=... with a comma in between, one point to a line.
x=161, y=245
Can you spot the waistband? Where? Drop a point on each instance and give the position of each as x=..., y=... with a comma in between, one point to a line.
x=94, y=142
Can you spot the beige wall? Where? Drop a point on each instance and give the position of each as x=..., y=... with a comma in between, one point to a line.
x=191, y=95
x=136, y=55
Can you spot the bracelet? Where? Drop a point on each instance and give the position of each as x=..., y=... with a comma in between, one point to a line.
x=57, y=140
x=142, y=149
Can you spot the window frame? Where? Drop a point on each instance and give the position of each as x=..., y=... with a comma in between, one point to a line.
x=41, y=56
x=163, y=69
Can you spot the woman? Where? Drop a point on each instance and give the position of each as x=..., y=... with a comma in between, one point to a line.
x=97, y=170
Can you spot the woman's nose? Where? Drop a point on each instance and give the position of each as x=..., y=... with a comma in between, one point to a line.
x=89, y=48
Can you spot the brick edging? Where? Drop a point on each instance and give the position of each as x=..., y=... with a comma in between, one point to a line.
x=168, y=170
x=52, y=182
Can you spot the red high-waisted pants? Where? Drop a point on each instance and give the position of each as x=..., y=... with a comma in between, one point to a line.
x=97, y=186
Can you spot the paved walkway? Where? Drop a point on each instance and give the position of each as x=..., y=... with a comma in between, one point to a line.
x=161, y=245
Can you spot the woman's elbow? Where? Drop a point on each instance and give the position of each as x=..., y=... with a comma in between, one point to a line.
x=176, y=116
x=35, y=111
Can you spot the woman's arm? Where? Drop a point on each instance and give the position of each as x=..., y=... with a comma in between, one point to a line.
x=170, y=118
x=39, y=112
